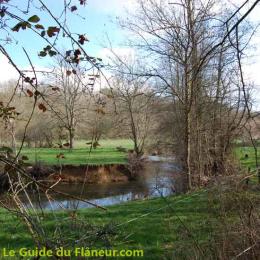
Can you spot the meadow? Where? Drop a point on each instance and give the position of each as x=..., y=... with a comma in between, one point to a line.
x=106, y=153
x=154, y=228
x=176, y=226
x=249, y=160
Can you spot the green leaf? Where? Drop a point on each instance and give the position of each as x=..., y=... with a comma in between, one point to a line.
x=2, y=13
x=34, y=19
x=20, y=25
x=47, y=48
x=52, y=53
x=25, y=25
x=17, y=27
x=42, y=54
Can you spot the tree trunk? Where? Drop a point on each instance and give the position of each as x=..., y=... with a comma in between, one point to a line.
x=188, y=136
x=71, y=138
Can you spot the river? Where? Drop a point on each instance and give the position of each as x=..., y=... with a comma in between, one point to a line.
x=159, y=178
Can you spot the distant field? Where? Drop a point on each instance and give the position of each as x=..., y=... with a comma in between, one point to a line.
x=248, y=162
x=241, y=152
x=106, y=153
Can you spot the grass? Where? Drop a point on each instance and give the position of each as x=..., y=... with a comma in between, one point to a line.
x=106, y=153
x=158, y=226
x=157, y=233
x=240, y=153
x=249, y=161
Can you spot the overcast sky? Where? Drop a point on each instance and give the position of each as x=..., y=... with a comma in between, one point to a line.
x=99, y=20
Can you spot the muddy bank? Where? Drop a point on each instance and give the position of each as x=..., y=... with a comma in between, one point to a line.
x=80, y=174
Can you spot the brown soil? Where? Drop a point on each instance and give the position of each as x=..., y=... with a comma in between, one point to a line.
x=90, y=174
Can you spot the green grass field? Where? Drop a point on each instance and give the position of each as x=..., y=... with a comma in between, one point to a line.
x=106, y=153
x=158, y=226
x=248, y=162
x=240, y=153
x=157, y=233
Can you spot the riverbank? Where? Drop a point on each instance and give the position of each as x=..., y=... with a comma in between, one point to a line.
x=200, y=223
x=154, y=227
x=81, y=174
x=176, y=226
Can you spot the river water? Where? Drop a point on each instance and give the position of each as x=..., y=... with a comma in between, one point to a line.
x=159, y=178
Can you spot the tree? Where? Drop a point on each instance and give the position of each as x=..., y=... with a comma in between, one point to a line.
x=179, y=45
x=66, y=93
x=31, y=16
x=133, y=100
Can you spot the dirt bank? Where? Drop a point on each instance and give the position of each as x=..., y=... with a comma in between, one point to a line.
x=79, y=174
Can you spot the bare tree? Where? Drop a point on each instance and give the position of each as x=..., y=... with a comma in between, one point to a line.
x=133, y=99
x=202, y=77
x=66, y=94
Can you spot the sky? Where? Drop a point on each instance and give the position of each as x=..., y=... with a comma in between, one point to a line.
x=97, y=21
x=94, y=20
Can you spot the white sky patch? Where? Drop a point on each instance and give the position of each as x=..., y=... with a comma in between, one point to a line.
x=251, y=73
x=112, y=6
x=104, y=81
x=7, y=71
x=123, y=52
x=107, y=56
x=41, y=73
